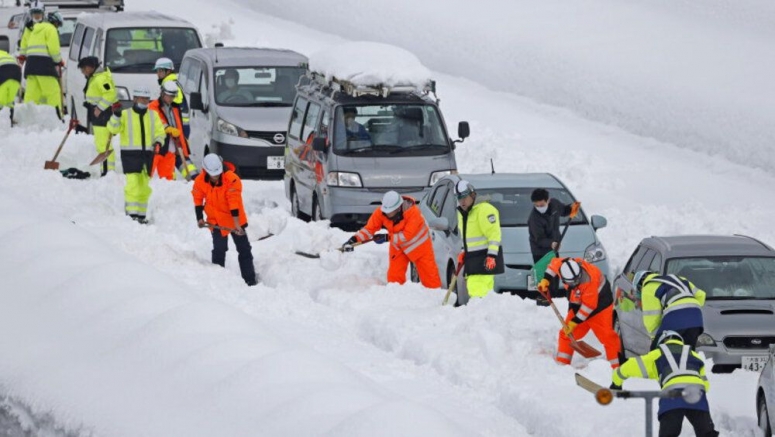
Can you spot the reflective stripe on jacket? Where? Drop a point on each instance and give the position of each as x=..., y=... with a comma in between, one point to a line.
x=222, y=201
x=41, y=47
x=481, y=232
x=663, y=295
x=410, y=235
x=588, y=298
x=139, y=132
x=176, y=122
x=100, y=90
x=9, y=68
x=674, y=365
x=180, y=100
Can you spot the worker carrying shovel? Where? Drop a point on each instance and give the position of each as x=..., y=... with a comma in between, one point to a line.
x=590, y=306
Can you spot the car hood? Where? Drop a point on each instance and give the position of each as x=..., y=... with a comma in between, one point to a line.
x=274, y=119
x=738, y=317
x=395, y=171
x=516, y=243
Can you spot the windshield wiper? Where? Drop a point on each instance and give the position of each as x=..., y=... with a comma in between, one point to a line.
x=421, y=147
x=268, y=104
x=139, y=67
x=356, y=151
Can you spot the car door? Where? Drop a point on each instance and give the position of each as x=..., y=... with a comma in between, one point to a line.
x=75, y=80
x=625, y=299
x=436, y=205
x=199, y=121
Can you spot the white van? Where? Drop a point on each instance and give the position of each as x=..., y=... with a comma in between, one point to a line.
x=128, y=44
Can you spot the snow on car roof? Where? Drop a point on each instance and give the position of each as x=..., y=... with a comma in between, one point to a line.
x=368, y=63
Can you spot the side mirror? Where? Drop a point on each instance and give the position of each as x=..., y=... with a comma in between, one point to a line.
x=196, y=102
x=599, y=222
x=219, y=44
x=463, y=131
x=439, y=224
x=319, y=144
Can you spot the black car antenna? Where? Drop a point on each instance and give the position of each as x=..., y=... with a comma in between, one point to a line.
x=492, y=166
x=218, y=44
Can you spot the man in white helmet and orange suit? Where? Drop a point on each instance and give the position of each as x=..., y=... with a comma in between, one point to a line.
x=590, y=306
x=409, y=236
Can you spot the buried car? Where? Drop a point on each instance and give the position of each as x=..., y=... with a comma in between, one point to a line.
x=737, y=274
x=510, y=194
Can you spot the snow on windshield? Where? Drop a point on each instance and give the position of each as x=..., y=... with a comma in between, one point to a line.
x=369, y=63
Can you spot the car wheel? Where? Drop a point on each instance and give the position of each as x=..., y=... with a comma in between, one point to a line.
x=413, y=274
x=317, y=214
x=618, y=331
x=763, y=416
x=295, y=207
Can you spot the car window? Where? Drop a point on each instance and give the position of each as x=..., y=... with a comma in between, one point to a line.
x=66, y=32
x=656, y=264
x=88, y=40
x=629, y=268
x=203, y=89
x=324, y=120
x=183, y=74
x=514, y=204
x=645, y=262
x=728, y=278
x=310, y=121
x=136, y=49
x=256, y=86
x=436, y=200
x=76, y=46
x=297, y=116
x=449, y=209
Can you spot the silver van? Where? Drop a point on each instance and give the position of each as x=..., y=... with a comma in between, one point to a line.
x=240, y=100
x=348, y=145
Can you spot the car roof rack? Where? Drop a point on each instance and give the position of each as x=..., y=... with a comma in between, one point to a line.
x=380, y=90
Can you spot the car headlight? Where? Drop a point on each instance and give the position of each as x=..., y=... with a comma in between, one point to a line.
x=230, y=129
x=705, y=340
x=436, y=175
x=122, y=93
x=343, y=179
x=594, y=253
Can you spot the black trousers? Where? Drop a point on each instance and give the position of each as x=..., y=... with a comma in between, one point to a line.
x=690, y=336
x=671, y=422
x=221, y=245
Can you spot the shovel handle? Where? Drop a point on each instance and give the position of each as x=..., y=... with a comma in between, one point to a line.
x=59, y=149
x=452, y=284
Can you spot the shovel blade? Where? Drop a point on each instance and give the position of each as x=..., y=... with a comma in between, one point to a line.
x=51, y=165
x=584, y=349
x=101, y=157
x=307, y=255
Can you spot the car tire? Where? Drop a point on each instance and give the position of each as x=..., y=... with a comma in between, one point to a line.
x=763, y=416
x=317, y=214
x=618, y=330
x=414, y=275
x=295, y=207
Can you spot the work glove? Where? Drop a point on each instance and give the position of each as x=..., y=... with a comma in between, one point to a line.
x=61, y=64
x=175, y=132
x=22, y=59
x=574, y=209
x=201, y=223
x=613, y=386
x=348, y=245
x=117, y=108
x=380, y=238
x=543, y=286
x=568, y=329
x=489, y=263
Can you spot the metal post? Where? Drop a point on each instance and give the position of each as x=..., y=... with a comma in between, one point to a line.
x=649, y=411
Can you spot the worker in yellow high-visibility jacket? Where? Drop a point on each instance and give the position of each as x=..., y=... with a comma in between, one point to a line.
x=39, y=52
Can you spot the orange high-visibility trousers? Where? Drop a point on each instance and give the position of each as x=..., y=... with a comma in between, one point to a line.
x=164, y=165
x=601, y=325
x=425, y=265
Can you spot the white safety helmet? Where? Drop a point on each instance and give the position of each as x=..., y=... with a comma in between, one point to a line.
x=169, y=88
x=638, y=278
x=570, y=272
x=464, y=189
x=669, y=335
x=37, y=6
x=141, y=92
x=164, y=63
x=391, y=201
x=213, y=164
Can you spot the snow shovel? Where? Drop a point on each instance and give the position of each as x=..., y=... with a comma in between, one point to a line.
x=186, y=174
x=265, y=236
x=317, y=255
x=540, y=266
x=102, y=156
x=53, y=164
x=581, y=347
x=220, y=228
x=452, y=284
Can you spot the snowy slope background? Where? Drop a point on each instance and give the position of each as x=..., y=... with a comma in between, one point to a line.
x=113, y=329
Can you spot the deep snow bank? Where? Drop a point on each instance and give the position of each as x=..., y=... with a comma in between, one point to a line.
x=104, y=341
x=696, y=74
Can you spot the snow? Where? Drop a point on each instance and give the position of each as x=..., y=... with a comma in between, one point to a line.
x=367, y=63
x=110, y=328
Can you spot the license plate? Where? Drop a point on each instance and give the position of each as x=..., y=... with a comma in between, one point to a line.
x=275, y=162
x=755, y=364
x=531, y=282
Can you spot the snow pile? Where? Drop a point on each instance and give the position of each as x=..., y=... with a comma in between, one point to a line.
x=369, y=63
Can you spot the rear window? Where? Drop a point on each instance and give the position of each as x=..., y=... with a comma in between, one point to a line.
x=727, y=277
x=135, y=50
x=514, y=204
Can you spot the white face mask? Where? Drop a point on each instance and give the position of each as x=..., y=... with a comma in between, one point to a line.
x=141, y=106
x=542, y=209
x=230, y=83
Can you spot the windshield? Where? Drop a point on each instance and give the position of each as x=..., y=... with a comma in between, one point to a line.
x=514, y=204
x=135, y=50
x=398, y=129
x=728, y=277
x=256, y=86
x=66, y=31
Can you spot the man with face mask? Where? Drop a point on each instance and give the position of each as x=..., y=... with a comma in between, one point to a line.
x=165, y=72
x=409, y=238
x=233, y=94
x=141, y=131
x=355, y=130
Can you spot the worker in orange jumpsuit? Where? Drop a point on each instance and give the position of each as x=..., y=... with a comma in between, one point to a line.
x=167, y=157
x=409, y=236
x=590, y=306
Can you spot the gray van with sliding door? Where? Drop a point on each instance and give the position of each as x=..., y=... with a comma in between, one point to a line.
x=240, y=99
x=348, y=145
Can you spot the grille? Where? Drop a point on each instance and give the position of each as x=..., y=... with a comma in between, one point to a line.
x=266, y=136
x=260, y=173
x=749, y=342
